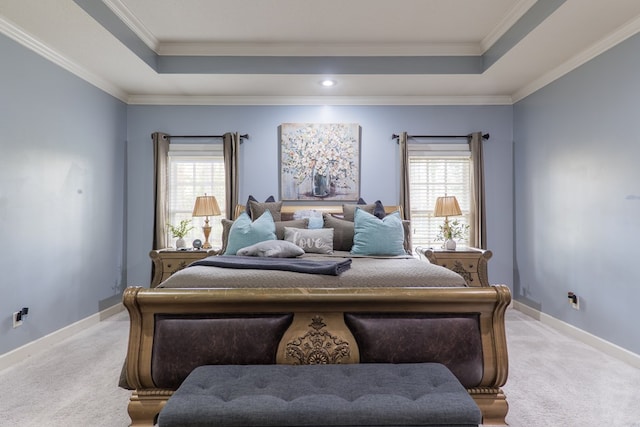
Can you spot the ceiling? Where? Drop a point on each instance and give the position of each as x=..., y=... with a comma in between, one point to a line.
x=264, y=52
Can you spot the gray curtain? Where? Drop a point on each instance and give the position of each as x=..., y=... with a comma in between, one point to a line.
x=231, y=150
x=160, y=161
x=404, y=175
x=477, y=229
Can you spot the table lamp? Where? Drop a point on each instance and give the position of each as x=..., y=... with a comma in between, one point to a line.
x=447, y=206
x=206, y=206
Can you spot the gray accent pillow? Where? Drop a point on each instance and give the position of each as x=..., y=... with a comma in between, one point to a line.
x=246, y=206
x=348, y=211
x=318, y=241
x=258, y=209
x=342, y=232
x=272, y=249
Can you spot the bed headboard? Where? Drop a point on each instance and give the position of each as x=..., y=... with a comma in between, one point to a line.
x=288, y=210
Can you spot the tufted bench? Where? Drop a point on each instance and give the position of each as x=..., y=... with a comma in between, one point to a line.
x=412, y=394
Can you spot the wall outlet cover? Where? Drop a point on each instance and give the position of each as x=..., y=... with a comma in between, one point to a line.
x=17, y=315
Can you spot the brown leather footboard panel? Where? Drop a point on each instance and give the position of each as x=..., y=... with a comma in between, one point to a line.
x=453, y=340
x=183, y=342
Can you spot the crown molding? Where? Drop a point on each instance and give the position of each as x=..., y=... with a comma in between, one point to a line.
x=621, y=34
x=318, y=100
x=134, y=24
x=19, y=35
x=508, y=21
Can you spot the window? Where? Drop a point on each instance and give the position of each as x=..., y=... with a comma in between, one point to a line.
x=196, y=169
x=436, y=170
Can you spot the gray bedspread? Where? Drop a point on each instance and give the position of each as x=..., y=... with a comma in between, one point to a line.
x=401, y=271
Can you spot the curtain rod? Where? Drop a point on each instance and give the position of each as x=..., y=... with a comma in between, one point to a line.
x=394, y=136
x=245, y=136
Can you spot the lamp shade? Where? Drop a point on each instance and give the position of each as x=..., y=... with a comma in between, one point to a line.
x=447, y=206
x=206, y=206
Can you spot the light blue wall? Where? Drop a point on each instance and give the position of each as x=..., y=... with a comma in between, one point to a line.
x=62, y=184
x=379, y=159
x=577, y=196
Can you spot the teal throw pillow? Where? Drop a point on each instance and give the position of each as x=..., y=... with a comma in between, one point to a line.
x=375, y=236
x=245, y=233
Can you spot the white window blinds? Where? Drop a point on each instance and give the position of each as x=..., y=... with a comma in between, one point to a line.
x=437, y=170
x=196, y=169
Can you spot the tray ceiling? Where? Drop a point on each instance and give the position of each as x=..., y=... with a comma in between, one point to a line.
x=278, y=51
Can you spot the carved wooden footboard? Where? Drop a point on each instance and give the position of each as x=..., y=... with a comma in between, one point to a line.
x=175, y=330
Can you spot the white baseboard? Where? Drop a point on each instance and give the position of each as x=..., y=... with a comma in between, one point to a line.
x=607, y=347
x=19, y=354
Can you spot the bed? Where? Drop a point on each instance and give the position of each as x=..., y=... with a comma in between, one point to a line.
x=380, y=309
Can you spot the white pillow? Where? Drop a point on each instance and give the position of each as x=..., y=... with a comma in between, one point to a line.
x=272, y=249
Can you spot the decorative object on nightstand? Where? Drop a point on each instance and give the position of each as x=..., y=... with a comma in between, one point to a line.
x=180, y=231
x=470, y=263
x=447, y=206
x=206, y=206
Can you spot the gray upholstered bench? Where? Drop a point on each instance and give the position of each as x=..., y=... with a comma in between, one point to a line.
x=420, y=394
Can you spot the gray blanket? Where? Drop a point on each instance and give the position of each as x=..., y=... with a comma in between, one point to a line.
x=329, y=267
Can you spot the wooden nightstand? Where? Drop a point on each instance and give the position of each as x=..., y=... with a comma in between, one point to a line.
x=470, y=263
x=168, y=261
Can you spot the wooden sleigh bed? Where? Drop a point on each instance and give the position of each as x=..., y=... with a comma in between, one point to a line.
x=175, y=329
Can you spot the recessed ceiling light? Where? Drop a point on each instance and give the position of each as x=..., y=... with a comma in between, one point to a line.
x=328, y=83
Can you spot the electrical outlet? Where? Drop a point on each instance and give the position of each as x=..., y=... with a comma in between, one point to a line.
x=573, y=300
x=576, y=303
x=17, y=319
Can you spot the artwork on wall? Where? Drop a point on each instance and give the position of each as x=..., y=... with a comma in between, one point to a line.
x=319, y=161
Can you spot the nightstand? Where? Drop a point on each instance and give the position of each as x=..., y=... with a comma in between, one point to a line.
x=470, y=263
x=168, y=261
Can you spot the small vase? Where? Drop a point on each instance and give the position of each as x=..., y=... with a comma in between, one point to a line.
x=180, y=243
x=450, y=245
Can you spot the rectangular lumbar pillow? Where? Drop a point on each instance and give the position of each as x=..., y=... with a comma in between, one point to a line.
x=319, y=241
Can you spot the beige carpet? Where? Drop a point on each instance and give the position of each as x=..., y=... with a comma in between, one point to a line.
x=553, y=381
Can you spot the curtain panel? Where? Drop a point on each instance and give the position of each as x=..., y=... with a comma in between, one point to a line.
x=231, y=153
x=160, y=162
x=477, y=229
x=404, y=175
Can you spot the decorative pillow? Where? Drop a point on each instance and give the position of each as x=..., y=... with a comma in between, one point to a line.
x=312, y=241
x=226, y=226
x=349, y=210
x=375, y=236
x=257, y=209
x=314, y=217
x=247, y=209
x=379, y=211
x=342, y=232
x=245, y=233
x=272, y=249
x=295, y=223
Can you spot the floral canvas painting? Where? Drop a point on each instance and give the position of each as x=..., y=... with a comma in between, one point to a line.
x=319, y=161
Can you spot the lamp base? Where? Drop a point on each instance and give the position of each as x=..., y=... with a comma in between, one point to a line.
x=206, y=229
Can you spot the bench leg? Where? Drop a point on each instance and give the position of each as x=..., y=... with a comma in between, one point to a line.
x=145, y=406
x=493, y=404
